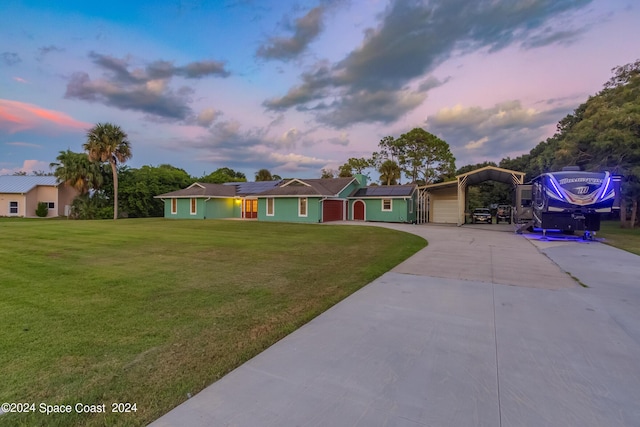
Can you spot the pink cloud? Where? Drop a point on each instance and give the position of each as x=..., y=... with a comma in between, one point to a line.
x=20, y=80
x=16, y=116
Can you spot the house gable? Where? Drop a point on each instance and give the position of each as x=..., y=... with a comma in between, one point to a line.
x=295, y=182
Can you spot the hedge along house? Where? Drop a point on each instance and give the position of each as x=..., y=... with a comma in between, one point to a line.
x=20, y=195
x=202, y=200
x=385, y=203
x=308, y=200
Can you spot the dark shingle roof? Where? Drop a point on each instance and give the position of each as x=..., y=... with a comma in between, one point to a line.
x=385, y=191
x=203, y=190
x=313, y=187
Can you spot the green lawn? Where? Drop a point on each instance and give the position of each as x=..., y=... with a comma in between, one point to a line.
x=623, y=238
x=147, y=311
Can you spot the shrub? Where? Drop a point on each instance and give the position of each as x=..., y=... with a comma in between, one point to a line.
x=42, y=210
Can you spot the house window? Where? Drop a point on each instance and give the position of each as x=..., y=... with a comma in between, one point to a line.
x=270, y=206
x=174, y=206
x=13, y=208
x=302, y=206
x=387, y=206
x=51, y=205
x=194, y=206
x=410, y=203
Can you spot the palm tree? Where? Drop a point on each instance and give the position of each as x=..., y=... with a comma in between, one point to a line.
x=389, y=172
x=106, y=142
x=264, y=175
x=76, y=170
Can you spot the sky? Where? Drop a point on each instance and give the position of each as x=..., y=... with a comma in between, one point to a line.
x=295, y=86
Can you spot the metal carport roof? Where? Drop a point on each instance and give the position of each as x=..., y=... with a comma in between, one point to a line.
x=487, y=173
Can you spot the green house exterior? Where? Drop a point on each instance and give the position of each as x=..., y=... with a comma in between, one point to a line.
x=388, y=203
x=294, y=200
x=308, y=200
x=214, y=201
x=286, y=209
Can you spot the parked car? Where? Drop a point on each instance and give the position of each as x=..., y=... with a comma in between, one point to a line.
x=481, y=215
x=503, y=214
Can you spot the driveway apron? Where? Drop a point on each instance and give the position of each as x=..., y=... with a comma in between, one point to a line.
x=480, y=328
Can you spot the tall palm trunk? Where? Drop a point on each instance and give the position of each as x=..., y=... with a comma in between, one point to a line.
x=114, y=172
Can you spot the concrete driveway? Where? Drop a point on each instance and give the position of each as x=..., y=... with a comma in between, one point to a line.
x=481, y=328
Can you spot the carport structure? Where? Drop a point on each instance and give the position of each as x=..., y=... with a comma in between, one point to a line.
x=446, y=202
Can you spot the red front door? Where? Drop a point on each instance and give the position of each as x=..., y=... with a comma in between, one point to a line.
x=250, y=208
x=358, y=210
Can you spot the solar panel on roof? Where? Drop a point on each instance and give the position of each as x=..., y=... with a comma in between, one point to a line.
x=256, y=187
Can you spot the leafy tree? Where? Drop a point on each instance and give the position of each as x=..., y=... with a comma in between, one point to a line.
x=356, y=165
x=94, y=206
x=264, y=175
x=345, y=171
x=520, y=163
x=107, y=142
x=20, y=173
x=76, y=170
x=390, y=149
x=605, y=133
x=623, y=74
x=359, y=164
x=327, y=174
x=139, y=186
x=424, y=156
x=222, y=175
x=389, y=172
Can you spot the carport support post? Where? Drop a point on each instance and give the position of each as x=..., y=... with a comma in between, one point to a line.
x=462, y=193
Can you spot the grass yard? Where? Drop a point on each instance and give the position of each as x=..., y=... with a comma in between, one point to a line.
x=147, y=311
x=622, y=238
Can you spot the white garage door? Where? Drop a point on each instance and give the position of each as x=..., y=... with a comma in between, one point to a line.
x=445, y=211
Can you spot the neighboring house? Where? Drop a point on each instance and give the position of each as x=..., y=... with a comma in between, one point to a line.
x=308, y=200
x=295, y=200
x=202, y=200
x=385, y=203
x=20, y=195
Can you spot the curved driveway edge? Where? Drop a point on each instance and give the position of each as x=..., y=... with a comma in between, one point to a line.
x=430, y=344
